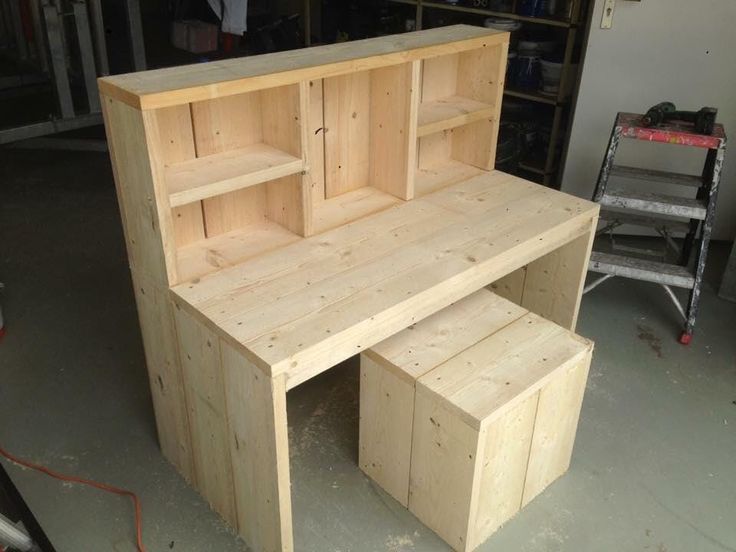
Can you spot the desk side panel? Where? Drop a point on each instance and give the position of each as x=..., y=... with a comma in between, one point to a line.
x=204, y=391
x=148, y=234
x=133, y=139
x=553, y=285
x=155, y=314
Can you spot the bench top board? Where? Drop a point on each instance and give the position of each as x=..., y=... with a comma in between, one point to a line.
x=305, y=307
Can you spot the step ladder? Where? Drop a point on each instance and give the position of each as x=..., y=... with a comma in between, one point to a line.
x=669, y=215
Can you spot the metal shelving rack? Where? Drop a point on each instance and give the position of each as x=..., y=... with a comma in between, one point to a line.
x=547, y=170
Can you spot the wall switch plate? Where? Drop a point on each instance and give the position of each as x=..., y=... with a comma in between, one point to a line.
x=607, y=19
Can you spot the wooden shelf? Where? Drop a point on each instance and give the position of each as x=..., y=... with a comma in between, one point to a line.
x=536, y=166
x=533, y=96
x=434, y=178
x=350, y=206
x=218, y=174
x=480, y=11
x=228, y=249
x=451, y=112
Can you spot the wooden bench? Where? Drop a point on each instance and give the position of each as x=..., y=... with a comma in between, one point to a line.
x=469, y=414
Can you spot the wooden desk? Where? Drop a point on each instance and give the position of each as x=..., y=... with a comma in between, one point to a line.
x=285, y=212
x=303, y=308
x=286, y=316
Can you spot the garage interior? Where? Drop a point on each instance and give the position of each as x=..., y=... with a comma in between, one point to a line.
x=651, y=467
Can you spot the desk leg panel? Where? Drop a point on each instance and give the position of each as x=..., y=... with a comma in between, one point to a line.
x=259, y=450
x=204, y=391
x=164, y=372
x=553, y=285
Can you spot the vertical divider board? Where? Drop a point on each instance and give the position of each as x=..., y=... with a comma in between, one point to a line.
x=394, y=104
x=315, y=145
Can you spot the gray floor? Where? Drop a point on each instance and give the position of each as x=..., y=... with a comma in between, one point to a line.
x=653, y=467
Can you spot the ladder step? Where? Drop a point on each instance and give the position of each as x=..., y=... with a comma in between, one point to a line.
x=640, y=269
x=656, y=176
x=671, y=225
x=655, y=203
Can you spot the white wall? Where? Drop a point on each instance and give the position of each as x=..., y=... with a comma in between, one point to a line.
x=682, y=51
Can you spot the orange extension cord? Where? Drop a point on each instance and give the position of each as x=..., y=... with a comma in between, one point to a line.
x=95, y=484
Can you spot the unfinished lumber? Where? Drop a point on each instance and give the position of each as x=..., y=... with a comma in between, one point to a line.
x=285, y=212
x=489, y=396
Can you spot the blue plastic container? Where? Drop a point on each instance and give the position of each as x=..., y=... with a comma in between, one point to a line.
x=533, y=8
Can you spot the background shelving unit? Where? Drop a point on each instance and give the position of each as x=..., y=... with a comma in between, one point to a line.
x=568, y=26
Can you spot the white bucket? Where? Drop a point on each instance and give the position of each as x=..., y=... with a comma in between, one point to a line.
x=551, y=75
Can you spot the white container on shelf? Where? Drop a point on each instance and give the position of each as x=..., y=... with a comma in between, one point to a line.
x=551, y=75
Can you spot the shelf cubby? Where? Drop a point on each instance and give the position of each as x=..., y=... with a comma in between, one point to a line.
x=457, y=123
x=202, y=257
x=368, y=142
x=450, y=112
x=350, y=206
x=233, y=170
x=432, y=178
x=212, y=175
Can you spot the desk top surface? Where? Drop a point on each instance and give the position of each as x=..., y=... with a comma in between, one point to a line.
x=305, y=307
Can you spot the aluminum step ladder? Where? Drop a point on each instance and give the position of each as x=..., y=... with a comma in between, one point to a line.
x=669, y=215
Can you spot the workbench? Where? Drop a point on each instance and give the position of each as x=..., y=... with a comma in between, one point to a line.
x=286, y=212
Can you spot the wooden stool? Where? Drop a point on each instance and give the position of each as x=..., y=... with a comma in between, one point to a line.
x=468, y=415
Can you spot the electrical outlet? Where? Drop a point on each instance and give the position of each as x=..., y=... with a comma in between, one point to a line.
x=607, y=19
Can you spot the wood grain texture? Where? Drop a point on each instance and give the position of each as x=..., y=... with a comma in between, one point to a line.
x=222, y=125
x=362, y=303
x=160, y=343
x=176, y=139
x=386, y=419
x=511, y=286
x=259, y=450
x=351, y=206
x=554, y=283
x=450, y=112
x=505, y=454
x=436, y=339
x=177, y=85
x=208, y=421
x=316, y=141
x=439, y=77
x=495, y=374
x=134, y=143
x=480, y=77
x=444, y=467
x=230, y=248
x=229, y=171
x=394, y=101
x=347, y=114
x=555, y=428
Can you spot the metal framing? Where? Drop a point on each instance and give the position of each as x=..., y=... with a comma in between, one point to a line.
x=51, y=52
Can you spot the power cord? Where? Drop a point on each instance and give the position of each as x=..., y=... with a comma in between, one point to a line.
x=74, y=479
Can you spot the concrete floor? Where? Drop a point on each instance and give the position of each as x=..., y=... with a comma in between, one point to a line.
x=653, y=467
